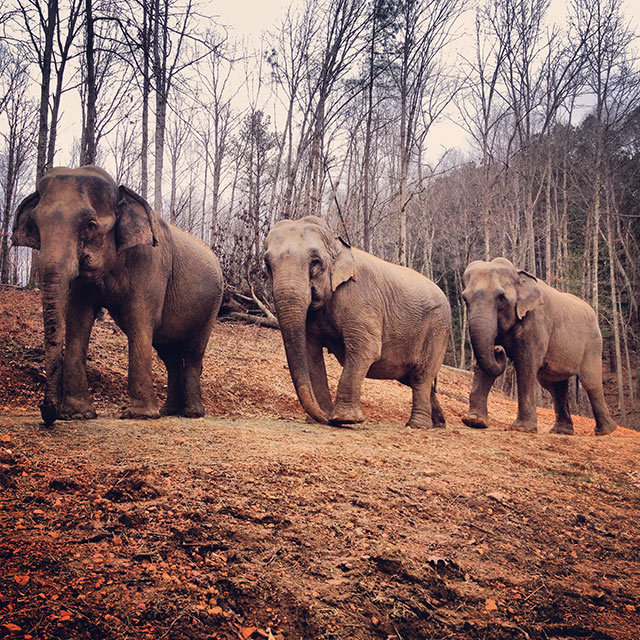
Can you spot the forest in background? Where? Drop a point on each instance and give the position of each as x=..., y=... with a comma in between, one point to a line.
x=333, y=114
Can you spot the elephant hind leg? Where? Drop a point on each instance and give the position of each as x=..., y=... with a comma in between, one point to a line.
x=437, y=415
x=560, y=393
x=592, y=383
x=193, y=354
x=171, y=355
x=426, y=411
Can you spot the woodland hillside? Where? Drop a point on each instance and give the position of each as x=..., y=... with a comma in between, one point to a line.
x=429, y=132
x=253, y=523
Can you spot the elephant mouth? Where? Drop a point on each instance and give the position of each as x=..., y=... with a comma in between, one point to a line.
x=89, y=273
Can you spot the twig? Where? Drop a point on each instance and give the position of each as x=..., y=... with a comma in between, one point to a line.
x=263, y=307
x=246, y=317
x=534, y=592
x=98, y=537
x=475, y=526
x=166, y=633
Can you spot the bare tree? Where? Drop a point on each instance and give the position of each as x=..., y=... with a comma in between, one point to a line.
x=18, y=111
x=421, y=85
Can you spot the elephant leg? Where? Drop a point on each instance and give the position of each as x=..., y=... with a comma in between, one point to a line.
x=437, y=415
x=478, y=414
x=592, y=383
x=426, y=411
x=360, y=354
x=76, y=401
x=318, y=374
x=171, y=355
x=560, y=393
x=193, y=407
x=142, y=397
x=193, y=355
x=527, y=420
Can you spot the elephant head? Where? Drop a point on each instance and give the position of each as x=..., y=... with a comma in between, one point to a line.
x=498, y=296
x=80, y=220
x=306, y=264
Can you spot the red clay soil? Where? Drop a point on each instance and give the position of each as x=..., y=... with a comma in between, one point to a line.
x=251, y=523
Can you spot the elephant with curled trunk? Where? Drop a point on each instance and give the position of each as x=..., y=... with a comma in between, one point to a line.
x=101, y=245
x=380, y=320
x=549, y=335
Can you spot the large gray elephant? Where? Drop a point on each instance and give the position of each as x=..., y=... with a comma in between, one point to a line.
x=380, y=320
x=101, y=245
x=549, y=335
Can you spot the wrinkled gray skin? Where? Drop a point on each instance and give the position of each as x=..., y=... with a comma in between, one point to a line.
x=380, y=321
x=549, y=335
x=102, y=246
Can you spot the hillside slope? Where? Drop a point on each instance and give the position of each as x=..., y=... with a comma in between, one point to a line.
x=245, y=374
x=251, y=523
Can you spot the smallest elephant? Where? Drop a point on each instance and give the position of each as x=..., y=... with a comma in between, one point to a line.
x=549, y=335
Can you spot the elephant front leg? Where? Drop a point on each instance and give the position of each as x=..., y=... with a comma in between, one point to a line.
x=76, y=401
x=142, y=396
x=359, y=356
x=478, y=414
x=527, y=420
x=318, y=374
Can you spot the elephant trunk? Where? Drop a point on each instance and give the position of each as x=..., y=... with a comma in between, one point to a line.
x=483, y=330
x=56, y=277
x=291, y=307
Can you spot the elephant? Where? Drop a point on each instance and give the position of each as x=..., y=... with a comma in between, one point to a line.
x=380, y=320
x=546, y=333
x=101, y=245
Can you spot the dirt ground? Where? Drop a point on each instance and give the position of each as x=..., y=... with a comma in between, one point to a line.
x=251, y=523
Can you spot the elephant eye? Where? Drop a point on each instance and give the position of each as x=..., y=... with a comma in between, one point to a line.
x=316, y=266
x=90, y=230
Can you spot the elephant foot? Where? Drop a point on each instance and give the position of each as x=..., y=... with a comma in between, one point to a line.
x=48, y=412
x=524, y=426
x=170, y=410
x=475, y=421
x=346, y=415
x=562, y=428
x=139, y=413
x=417, y=423
x=605, y=428
x=77, y=410
x=88, y=414
x=193, y=411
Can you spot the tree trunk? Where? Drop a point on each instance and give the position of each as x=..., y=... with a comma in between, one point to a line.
x=147, y=8
x=614, y=318
x=88, y=145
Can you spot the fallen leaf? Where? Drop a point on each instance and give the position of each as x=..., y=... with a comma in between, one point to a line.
x=13, y=628
x=247, y=632
x=21, y=579
x=490, y=605
x=5, y=438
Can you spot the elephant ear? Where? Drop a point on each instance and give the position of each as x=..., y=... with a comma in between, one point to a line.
x=135, y=221
x=529, y=294
x=25, y=230
x=343, y=267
